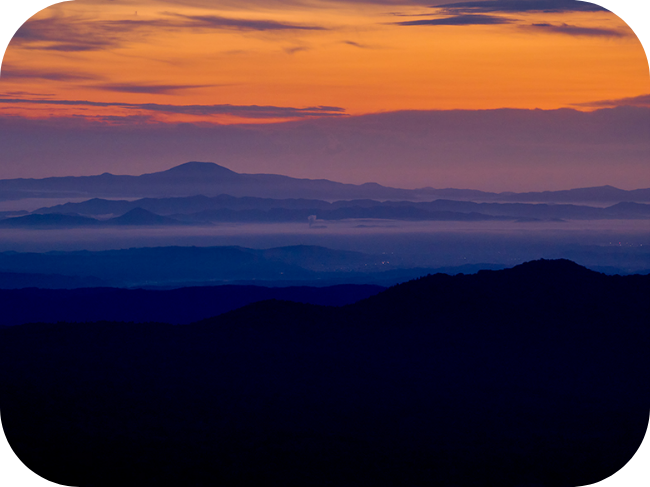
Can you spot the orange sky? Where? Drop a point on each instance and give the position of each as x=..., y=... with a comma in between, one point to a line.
x=351, y=58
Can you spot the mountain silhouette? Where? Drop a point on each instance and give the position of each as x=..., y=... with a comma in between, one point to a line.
x=16, y=280
x=605, y=193
x=211, y=179
x=534, y=375
x=52, y=220
x=139, y=216
x=201, y=209
x=183, y=266
x=136, y=217
x=175, y=306
x=192, y=171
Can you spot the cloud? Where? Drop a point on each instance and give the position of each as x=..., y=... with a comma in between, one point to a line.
x=477, y=13
x=469, y=19
x=635, y=101
x=355, y=44
x=147, y=89
x=246, y=111
x=293, y=50
x=78, y=34
x=239, y=4
x=75, y=34
x=218, y=22
x=574, y=30
x=515, y=6
x=9, y=72
x=14, y=94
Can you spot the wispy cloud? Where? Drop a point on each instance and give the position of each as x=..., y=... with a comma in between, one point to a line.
x=9, y=72
x=470, y=19
x=574, y=30
x=635, y=101
x=295, y=49
x=218, y=22
x=515, y=6
x=356, y=44
x=77, y=34
x=147, y=89
x=247, y=111
x=209, y=4
x=480, y=13
x=14, y=94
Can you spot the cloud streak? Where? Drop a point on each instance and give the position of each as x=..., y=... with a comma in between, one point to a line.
x=479, y=13
x=77, y=34
x=520, y=6
x=218, y=22
x=244, y=111
x=147, y=89
x=356, y=44
x=635, y=101
x=470, y=19
x=9, y=72
x=574, y=30
x=295, y=49
x=14, y=94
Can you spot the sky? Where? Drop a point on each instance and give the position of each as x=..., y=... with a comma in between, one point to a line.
x=508, y=95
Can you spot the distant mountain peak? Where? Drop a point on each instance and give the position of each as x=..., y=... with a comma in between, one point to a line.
x=197, y=168
x=140, y=216
x=210, y=179
x=139, y=212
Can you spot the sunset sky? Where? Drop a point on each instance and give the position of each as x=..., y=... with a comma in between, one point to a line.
x=94, y=67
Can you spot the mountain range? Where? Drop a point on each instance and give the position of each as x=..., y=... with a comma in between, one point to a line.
x=531, y=376
x=176, y=267
x=295, y=265
x=202, y=207
x=202, y=210
x=175, y=306
x=211, y=179
x=135, y=217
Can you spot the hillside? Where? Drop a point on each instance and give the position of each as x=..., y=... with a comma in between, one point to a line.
x=174, y=267
x=535, y=375
x=174, y=306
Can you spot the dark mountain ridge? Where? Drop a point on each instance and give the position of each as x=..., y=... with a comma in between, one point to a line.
x=298, y=265
x=212, y=179
x=189, y=179
x=176, y=306
x=202, y=209
x=140, y=216
x=155, y=265
x=135, y=217
x=17, y=280
x=535, y=375
x=50, y=220
x=182, y=266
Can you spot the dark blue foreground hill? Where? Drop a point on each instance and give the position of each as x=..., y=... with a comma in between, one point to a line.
x=174, y=306
x=535, y=375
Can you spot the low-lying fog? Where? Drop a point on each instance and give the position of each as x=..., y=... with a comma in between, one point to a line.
x=622, y=244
